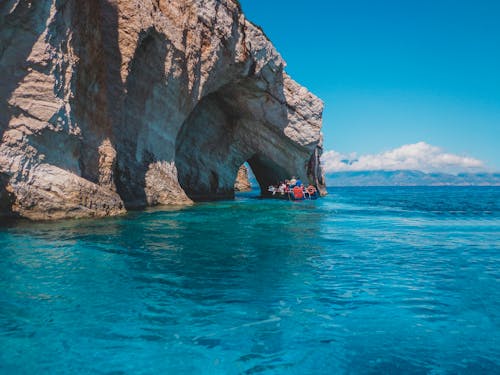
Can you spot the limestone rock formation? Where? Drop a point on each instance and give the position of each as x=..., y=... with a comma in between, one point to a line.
x=242, y=182
x=114, y=104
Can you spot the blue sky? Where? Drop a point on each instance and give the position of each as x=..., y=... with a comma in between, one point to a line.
x=395, y=72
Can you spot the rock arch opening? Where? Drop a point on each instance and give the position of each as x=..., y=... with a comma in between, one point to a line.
x=143, y=105
x=226, y=129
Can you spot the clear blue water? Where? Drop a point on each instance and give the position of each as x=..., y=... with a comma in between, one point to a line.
x=367, y=280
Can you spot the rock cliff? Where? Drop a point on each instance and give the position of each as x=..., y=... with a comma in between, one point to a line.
x=242, y=182
x=113, y=104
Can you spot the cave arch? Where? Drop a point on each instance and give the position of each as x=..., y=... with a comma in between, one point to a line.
x=153, y=108
x=225, y=130
x=144, y=92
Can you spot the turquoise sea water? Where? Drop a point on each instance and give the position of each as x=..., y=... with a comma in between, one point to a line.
x=367, y=280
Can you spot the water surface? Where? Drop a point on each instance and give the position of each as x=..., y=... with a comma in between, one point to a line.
x=367, y=280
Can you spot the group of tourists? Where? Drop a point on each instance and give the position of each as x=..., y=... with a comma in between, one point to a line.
x=293, y=189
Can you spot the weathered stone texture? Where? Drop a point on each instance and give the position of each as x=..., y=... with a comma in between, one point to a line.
x=107, y=105
x=242, y=182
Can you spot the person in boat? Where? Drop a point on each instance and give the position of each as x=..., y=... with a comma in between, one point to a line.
x=298, y=192
x=293, y=181
x=282, y=188
x=311, y=190
x=298, y=182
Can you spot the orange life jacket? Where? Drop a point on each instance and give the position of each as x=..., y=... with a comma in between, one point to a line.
x=297, y=192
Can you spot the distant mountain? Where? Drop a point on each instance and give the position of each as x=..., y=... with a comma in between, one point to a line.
x=410, y=178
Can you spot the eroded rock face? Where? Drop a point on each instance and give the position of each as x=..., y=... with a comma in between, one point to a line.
x=108, y=105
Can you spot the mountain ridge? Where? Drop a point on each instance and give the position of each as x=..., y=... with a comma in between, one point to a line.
x=411, y=178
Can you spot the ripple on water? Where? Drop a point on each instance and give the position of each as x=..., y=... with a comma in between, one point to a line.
x=367, y=280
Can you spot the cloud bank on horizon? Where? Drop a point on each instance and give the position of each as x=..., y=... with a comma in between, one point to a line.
x=419, y=156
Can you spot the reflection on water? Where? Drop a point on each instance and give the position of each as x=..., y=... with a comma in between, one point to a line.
x=383, y=280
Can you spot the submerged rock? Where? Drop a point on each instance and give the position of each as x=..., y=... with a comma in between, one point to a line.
x=108, y=105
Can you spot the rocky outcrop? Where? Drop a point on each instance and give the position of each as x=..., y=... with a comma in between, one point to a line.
x=242, y=182
x=113, y=104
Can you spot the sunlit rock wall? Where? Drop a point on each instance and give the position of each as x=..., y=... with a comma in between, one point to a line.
x=242, y=182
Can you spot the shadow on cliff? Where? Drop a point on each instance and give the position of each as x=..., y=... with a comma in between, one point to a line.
x=143, y=108
x=99, y=89
x=6, y=199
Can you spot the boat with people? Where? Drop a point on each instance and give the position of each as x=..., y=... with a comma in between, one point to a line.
x=293, y=189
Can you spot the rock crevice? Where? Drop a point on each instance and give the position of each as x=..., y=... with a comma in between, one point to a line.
x=111, y=104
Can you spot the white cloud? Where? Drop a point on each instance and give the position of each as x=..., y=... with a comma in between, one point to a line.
x=418, y=156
